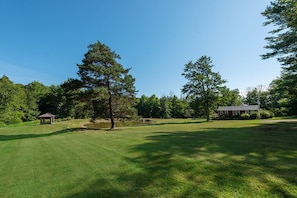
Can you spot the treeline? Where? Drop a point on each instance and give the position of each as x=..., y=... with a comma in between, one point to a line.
x=181, y=107
x=21, y=103
x=272, y=99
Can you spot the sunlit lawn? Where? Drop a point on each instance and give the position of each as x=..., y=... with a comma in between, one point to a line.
x=171, y=158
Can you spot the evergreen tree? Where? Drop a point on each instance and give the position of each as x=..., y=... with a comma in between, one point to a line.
x=103, y=76
x=165, y=107
x=283, y=44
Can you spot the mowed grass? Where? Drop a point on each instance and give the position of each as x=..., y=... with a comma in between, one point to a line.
x=172, y=158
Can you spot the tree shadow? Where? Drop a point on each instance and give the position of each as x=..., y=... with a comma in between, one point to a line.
x=209, y=162
x=37, y=135
x=179, y=123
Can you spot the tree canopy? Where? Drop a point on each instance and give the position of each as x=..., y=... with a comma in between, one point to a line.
x=107, y=81
x=203, y=84
x=282, y=14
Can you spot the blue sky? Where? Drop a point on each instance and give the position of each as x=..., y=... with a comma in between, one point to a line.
x=44, y=40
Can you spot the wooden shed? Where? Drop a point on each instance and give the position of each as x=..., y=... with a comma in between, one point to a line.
x=47, y=116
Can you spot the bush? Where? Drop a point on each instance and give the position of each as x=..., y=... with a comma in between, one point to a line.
x=14, y=120
x=14, y=117
x=279, y=112
x=266, y=114
x=271, y=114
x=224, y=117
x=2, y=124
x=245, y=116
x=254, y=115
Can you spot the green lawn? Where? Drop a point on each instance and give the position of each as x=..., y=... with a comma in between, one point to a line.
x=172, y=158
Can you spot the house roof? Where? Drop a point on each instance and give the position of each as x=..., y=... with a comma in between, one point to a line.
x=46, y=115
x=240, y=108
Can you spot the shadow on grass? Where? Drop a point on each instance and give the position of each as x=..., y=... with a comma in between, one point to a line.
x=228, y=162
x=25, y=136
x=178, y=123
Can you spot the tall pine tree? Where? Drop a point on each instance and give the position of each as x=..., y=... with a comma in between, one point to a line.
x=282, y=14
x=102, y=75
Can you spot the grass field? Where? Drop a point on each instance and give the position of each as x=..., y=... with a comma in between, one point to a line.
x=172, y=158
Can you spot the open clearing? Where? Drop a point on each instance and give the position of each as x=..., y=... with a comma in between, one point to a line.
x=171, y=158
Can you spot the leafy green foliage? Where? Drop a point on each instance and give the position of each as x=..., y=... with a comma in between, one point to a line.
x=263, y=97
x=178, y=107
x=53, y=101
x=264, y=114
x=12, y=101
x=203, y=83
x=34, y=92
x=254, y=115
x=165, y=107
x=252, y=97
x=25, y=102
x=229, y=97
x=245, y=116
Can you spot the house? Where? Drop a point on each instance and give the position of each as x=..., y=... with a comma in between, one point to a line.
x=236, y=111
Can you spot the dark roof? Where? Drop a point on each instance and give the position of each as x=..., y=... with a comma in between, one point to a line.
x=46, y=115
x=239, y=108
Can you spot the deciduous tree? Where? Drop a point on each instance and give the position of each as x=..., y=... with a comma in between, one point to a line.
x=12, y=101
x=203, y=83
x=34, y=91
x=229, y=97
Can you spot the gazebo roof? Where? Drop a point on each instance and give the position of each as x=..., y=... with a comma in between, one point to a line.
x=46, y=115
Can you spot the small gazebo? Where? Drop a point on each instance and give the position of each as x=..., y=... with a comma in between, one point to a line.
x=47, y=116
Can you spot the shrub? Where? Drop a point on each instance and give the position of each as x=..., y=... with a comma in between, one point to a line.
x=278, y=112
x=236, y=117
x=245, y=116
x=14, y=120
x=14, y=117
x=224, y=116
x=2, y=124
x=271, y=114
x=266, y=114
x=254, y=115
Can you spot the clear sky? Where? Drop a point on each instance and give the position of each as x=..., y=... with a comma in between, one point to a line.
x=44, y=40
